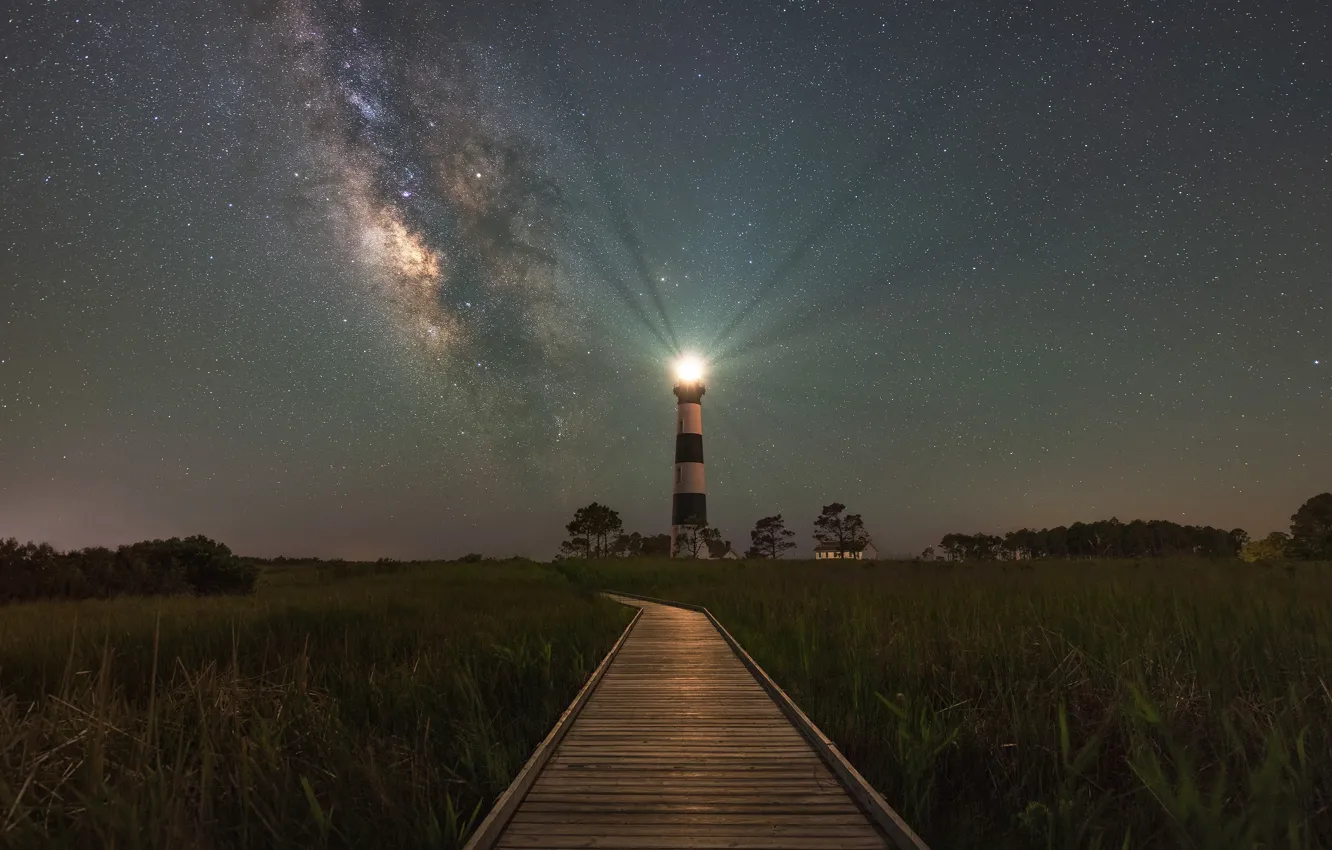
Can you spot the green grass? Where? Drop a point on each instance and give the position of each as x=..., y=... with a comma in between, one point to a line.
x=1056, y=705
x=350, y=706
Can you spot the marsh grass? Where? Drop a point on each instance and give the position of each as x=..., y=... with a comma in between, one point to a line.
x=1055, y=705
x=378, y=708
x=1051, y=705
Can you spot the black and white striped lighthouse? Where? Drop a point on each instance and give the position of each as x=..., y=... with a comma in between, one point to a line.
x=689, y=501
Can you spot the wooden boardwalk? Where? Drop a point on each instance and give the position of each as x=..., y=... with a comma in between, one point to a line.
x=678, y=744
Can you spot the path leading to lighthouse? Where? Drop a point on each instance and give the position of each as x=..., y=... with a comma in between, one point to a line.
x=679, y=745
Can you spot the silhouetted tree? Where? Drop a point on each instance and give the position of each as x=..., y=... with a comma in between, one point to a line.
x=628, y=545
x=1311, y=529
x=718, y=548
x=635, y=545
x=577, y=546
x=972, y=547
x=191, y=565
x=1238, y=538
x=657, y=546
x=592, y=532
x=1104, y=539
x=842, y=533
x=693, y=537
x=770, y=538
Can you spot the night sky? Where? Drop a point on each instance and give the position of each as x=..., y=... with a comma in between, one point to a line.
x=310, y=277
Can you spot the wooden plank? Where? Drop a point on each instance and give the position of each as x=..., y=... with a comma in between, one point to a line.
x=538, y=819
x=710, y=842
x=629, y=811
x=517, y=835
x=669, y=842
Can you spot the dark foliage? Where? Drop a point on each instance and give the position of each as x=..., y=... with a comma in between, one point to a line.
x=693, y=538
x=637, y=545
x=840, y=531
x=592, y=533
x=1105, y=539
x=718, y=548
x=193, y=565
x=770, y=538
x=1311, y=529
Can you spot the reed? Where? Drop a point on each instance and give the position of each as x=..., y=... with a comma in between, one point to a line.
x=1180, y=703
x=383, y=708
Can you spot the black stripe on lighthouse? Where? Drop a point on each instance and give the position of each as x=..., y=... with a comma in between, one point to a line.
x=688, y=448
x=690, y=509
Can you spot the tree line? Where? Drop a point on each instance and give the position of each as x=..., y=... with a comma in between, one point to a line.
x=1104, y=539
x=193, y=565
x=597, y=531
x=1310, y=538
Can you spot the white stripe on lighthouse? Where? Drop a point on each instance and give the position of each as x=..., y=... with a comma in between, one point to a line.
x=689, y=478
x=689, y=419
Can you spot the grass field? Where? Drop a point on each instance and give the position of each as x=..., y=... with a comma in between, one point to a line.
x=355, y=706
x=1117, y=704
x=1152, y=704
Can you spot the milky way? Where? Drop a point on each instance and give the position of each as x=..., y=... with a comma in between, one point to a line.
x=424, y=175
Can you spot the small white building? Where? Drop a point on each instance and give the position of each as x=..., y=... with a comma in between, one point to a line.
x=869, y=553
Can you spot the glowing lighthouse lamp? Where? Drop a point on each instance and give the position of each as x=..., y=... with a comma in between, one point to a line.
x=689, y=500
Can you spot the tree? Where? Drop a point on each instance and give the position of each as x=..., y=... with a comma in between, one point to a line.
x=838, y=532
x=628, y=545
x=972, y=547
x=717, y=548
x=1270, y=548
x=694, y=537
x=1311, y=529
x=1238, y=539
x=193, y=565
x=637, y=545
x=656, y=546
x=770, y=538
x=577, y=546
x=592, y=532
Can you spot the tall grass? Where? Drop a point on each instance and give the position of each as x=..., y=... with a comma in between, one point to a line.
x=1072, y=705
x=383, y=707
x=1069, y=705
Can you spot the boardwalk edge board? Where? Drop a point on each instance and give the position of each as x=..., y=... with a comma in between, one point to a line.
x=869, y=800
x=502, y=812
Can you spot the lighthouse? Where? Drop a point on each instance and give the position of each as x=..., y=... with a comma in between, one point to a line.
x=689, y=500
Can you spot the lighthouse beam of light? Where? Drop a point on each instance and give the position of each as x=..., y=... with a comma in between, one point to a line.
x=893, y=143
x=622, y=226
x=813, y=237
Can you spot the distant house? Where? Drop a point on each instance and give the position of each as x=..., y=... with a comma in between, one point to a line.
x=869, y=553
x=721, y=550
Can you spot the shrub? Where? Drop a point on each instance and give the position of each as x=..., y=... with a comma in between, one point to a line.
x=194, y=565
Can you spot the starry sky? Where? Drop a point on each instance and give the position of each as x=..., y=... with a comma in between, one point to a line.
x=317, y=277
